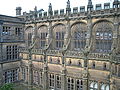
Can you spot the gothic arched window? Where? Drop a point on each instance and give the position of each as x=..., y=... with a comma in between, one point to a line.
x=42, y=31
x=58, y=82
x=70, y=84
x=93, y=86
x=59, y=32
x=36, y=77
x=28, y=35
x=105, y=87
x=78, y=36
x=103, y=36
x=51, y=80
x=79, y=84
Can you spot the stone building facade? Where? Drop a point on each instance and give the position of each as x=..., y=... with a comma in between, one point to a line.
x=70, y=49
x=11, y=38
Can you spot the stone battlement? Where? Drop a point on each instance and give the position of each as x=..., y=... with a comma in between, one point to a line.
x=73, y=12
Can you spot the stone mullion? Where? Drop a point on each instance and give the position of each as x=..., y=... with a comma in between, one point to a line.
x=75, y=85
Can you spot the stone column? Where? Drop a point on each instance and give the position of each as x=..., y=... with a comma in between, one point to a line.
x=85, y=79
x=30, y=66
x=111, y=77
x=1, y=75
x=35, y=37
x=112, y=84
x=89, y=31
x=86, y=52
x=1, y=47
x=20, y=72
x=115, y=32
x=1, y=52
x=118, y=70
x=89, y=40
x=63, y=74
x=30, y=70
x=1, y=30
x=67, y=37
x=45, y=72
x=86, y=69
x=99, y=87
x=49, y=39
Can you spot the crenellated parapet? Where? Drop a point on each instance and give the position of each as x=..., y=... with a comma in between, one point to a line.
x=75, y=12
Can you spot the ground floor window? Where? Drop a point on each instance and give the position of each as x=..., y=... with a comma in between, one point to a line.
x=70, y=84
x=79, y=84
x=11, y=76
x=94, y=86
x=105, y=87
x=23, y=74
x=36, y=77
x=58, y=82
x=51, y=81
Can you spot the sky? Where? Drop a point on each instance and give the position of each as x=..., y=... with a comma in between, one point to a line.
x=7, y=7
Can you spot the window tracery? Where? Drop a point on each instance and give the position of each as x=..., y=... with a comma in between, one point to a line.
x=58, y=82
x=105, y=87
x=70, y=84
x=59, y=32
x=103, y=36
x=79, y=85
x=94, y=86
x=51, y=80
x=42, y=31
x=79, y=36
x=28, y=35
x=36, y=77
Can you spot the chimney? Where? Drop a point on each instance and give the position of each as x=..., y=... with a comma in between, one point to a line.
x=18, y=11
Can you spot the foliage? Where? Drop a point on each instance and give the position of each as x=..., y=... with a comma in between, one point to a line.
x=7, y=87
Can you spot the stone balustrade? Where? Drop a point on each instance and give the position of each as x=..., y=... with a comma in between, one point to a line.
x=74, y=54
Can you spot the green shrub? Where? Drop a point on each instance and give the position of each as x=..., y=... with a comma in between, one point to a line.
x=7, y=87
